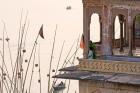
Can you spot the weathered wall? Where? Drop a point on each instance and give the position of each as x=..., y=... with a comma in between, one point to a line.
x=105, y=87
x=108, y=10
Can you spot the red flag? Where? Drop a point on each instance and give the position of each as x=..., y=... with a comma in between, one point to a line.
x=82, y=42
x=41, y=32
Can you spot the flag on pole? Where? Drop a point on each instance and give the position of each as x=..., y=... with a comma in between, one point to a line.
x=41, y=32
x=82, y=42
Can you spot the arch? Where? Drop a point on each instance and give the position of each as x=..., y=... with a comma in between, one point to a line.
x=119, y=32
x=136, y=31
x=95, y=28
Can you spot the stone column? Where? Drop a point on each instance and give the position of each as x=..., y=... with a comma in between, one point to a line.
x=100, y=20
x=106, y=47
x=121, y=32
x=113, y=32
x=133, y=41
x=86, y=31
x=125, y=32
x=130, y=29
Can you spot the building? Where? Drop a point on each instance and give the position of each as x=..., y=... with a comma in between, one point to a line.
x=117, y=67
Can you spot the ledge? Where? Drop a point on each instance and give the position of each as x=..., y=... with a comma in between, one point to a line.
x=104, y=77
x=112, y=66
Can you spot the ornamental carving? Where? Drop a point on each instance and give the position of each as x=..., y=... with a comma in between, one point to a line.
x=110, y=66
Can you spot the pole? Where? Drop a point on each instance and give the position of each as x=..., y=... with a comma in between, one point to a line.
x=49, y=77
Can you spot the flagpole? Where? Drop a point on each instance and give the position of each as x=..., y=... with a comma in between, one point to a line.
x=57, y=68
x=32, y=70
x=35, y=43
x=39, y=70
x=24, y=81
x=49, y=75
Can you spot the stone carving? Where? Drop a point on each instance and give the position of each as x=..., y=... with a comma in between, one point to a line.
x=108, y=66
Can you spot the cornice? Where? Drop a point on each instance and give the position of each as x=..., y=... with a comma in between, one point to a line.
x=111, y=2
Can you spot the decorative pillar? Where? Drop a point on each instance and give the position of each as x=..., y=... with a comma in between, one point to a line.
x=133, y=41
x=113, y=32
x=130, y=29
x=86, y=31
x=100, y=20
x=121, y=32
x=125, y=40
x=106, y=47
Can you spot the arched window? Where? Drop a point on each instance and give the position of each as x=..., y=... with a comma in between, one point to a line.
x=95, y=33
x=117, y=28
x=119, y=36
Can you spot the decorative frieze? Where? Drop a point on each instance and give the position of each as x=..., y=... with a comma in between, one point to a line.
x=110, y=66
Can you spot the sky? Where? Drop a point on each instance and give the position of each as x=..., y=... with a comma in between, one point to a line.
x=47, y=12
x=50, y=13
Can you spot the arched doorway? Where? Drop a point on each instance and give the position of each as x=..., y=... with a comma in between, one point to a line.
x=119, y=35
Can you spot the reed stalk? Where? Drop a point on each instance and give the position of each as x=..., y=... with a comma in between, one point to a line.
x=3, y=57
x=68, y=54
x=15, y=66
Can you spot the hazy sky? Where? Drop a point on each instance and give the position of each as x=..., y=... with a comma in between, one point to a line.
x=47, y=12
